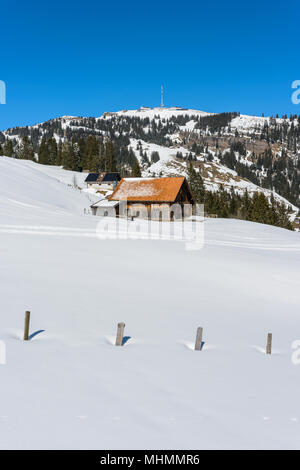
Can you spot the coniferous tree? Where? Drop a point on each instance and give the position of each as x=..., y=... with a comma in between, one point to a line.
x=8, y=149
x=91, y=154
x=25, y=150
x=110, y=157
x=196, y=184
x=43, y=156
x=52, y=151
x=70, y=156
x=136, y=171
x=155, y=157
x=59, y=154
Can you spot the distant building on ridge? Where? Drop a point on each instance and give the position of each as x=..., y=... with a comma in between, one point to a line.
x=105, y=181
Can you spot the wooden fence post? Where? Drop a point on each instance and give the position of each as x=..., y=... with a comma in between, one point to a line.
x=198, y=344
x=120, y=334
x=269, y=344
x=26, y=326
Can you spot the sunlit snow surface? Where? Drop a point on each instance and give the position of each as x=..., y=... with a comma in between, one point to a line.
x=70, y=387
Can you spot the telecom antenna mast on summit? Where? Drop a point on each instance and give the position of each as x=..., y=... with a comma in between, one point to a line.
x=162, y=97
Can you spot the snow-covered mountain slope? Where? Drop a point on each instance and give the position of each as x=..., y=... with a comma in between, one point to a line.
x=69, y=387
x=28, y=189
x=252, y=123
x=268, y=152
x=242, y=122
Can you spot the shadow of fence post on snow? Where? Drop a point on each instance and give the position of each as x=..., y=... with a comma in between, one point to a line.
x=27, y=336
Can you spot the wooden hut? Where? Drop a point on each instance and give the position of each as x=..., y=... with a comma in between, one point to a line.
x=155, y=198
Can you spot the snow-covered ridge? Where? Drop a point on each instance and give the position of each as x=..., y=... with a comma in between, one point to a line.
x=151, y=113
x=243, y=121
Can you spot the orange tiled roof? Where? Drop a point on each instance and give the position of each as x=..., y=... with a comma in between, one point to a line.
x=148, y=189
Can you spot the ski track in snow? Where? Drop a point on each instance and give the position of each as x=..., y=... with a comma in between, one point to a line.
x=57, y=231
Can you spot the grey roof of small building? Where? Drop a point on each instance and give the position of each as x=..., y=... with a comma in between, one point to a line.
x=92, y=178
x=110, y=177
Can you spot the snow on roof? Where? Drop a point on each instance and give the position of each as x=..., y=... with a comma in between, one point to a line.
x=148, y=189
x=105, y=203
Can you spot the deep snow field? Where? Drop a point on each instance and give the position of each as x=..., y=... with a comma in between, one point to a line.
x=71, y=388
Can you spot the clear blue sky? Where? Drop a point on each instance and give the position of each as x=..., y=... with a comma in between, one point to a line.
x=87, y=57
